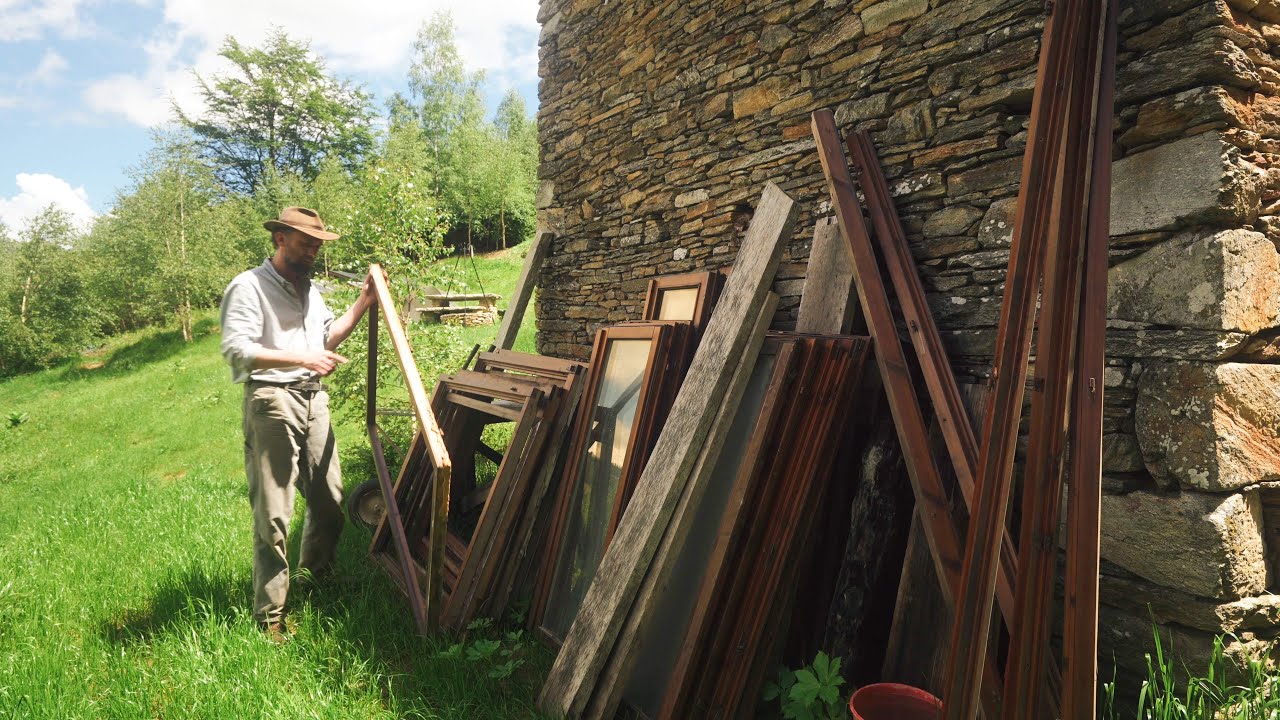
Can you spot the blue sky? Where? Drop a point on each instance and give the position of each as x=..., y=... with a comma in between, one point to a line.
x=83, y=82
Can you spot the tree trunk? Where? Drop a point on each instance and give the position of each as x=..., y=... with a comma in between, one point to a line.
x=502, y=220
x=26, y=288
x=184, y=305
x=878, y=515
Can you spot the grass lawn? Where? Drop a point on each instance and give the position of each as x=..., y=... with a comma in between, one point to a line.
x=125, y=549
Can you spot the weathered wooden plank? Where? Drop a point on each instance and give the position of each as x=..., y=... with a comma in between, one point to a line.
x=610, y=597
x=612, y=681
x=828, y=302
x=511, y=320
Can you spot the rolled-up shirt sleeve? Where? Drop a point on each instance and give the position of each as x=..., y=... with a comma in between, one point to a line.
x=241, y=329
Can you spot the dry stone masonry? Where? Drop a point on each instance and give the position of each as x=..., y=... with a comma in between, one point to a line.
x=661, y=120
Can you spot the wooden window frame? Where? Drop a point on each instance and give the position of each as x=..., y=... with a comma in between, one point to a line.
x=660, y=335
x=708, y=285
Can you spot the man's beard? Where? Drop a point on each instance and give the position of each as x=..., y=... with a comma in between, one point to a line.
x=301, y=268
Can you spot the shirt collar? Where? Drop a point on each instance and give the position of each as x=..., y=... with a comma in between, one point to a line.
x=280, y=279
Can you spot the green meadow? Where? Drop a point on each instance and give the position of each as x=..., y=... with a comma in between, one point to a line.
x=125, y=549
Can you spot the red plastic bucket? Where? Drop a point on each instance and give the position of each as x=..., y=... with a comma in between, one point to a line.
x=891, y=701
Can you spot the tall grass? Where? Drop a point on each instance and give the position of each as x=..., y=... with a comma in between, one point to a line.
x=125, y=563
x=1221, y=693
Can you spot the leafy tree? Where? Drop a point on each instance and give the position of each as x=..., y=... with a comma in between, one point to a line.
x=279, y=112
x=484, y=173
x=518, y=151
x=445, y=97
x=168, y=247
x=390, y=217
x=48, y=312
x=475, y=191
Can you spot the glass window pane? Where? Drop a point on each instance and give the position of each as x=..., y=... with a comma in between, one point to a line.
x=596, y=486
x=659, y=648
x=677, y=303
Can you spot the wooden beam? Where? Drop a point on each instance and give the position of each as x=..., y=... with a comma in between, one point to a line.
x=1056, y=342
x=949, y=412
x=828, y=302
x=931, y=496
x=511, y=320
x=1084, y=494
x=610, y=597
x=1037, y=195
x=940, y=531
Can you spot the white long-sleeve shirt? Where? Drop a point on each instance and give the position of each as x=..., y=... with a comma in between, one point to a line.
x=260, y=309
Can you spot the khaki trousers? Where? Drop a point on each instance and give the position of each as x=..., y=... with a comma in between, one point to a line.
x=289, y=442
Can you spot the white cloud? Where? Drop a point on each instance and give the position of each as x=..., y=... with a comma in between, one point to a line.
x=51, y=66
x=31, y=19
x=36, y=191
x=9, y=101
x=373, y=37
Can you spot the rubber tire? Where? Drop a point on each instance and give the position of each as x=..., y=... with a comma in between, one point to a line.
x=364, y=505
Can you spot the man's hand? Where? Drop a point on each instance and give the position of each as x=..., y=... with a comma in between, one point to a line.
x=368, y=297
x=321, y=361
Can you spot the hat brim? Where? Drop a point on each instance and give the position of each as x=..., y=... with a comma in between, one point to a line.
x=325, y=235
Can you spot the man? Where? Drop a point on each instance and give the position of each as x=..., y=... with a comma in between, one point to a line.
x=279, y=338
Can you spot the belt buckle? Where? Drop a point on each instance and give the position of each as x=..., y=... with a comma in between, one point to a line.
x=308, y=386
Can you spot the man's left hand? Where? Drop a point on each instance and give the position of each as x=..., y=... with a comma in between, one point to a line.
x=367, y=294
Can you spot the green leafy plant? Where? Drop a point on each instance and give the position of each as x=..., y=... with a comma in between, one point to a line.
x=17, y=418
x=811, y=692
x=502, y=654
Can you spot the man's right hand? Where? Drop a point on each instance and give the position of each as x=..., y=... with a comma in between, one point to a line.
x=321, y=361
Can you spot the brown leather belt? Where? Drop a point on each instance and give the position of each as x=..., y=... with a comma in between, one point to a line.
x=309, y=385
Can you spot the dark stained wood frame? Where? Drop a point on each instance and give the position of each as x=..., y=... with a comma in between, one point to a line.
x=707, y=284
x=1050, y=218
x=660, y=336
x=749, y=585
x=953, y=422
x=942, y=535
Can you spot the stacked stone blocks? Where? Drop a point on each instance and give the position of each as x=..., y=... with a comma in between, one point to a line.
x=661, y=120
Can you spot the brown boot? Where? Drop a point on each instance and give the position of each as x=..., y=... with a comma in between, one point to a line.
x=275, y=631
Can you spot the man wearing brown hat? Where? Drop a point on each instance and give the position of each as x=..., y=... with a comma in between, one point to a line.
x=279, y=338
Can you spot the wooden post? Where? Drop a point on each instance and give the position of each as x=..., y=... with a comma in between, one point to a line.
x=1084, y=494
x=828, y=303
x=524, y=290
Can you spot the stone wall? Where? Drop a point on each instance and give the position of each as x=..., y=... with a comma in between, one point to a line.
x=660, y=121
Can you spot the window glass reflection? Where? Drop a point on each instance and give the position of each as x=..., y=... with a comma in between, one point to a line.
x=596, y=482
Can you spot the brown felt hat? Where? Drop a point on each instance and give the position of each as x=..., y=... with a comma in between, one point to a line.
x=304, y=220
